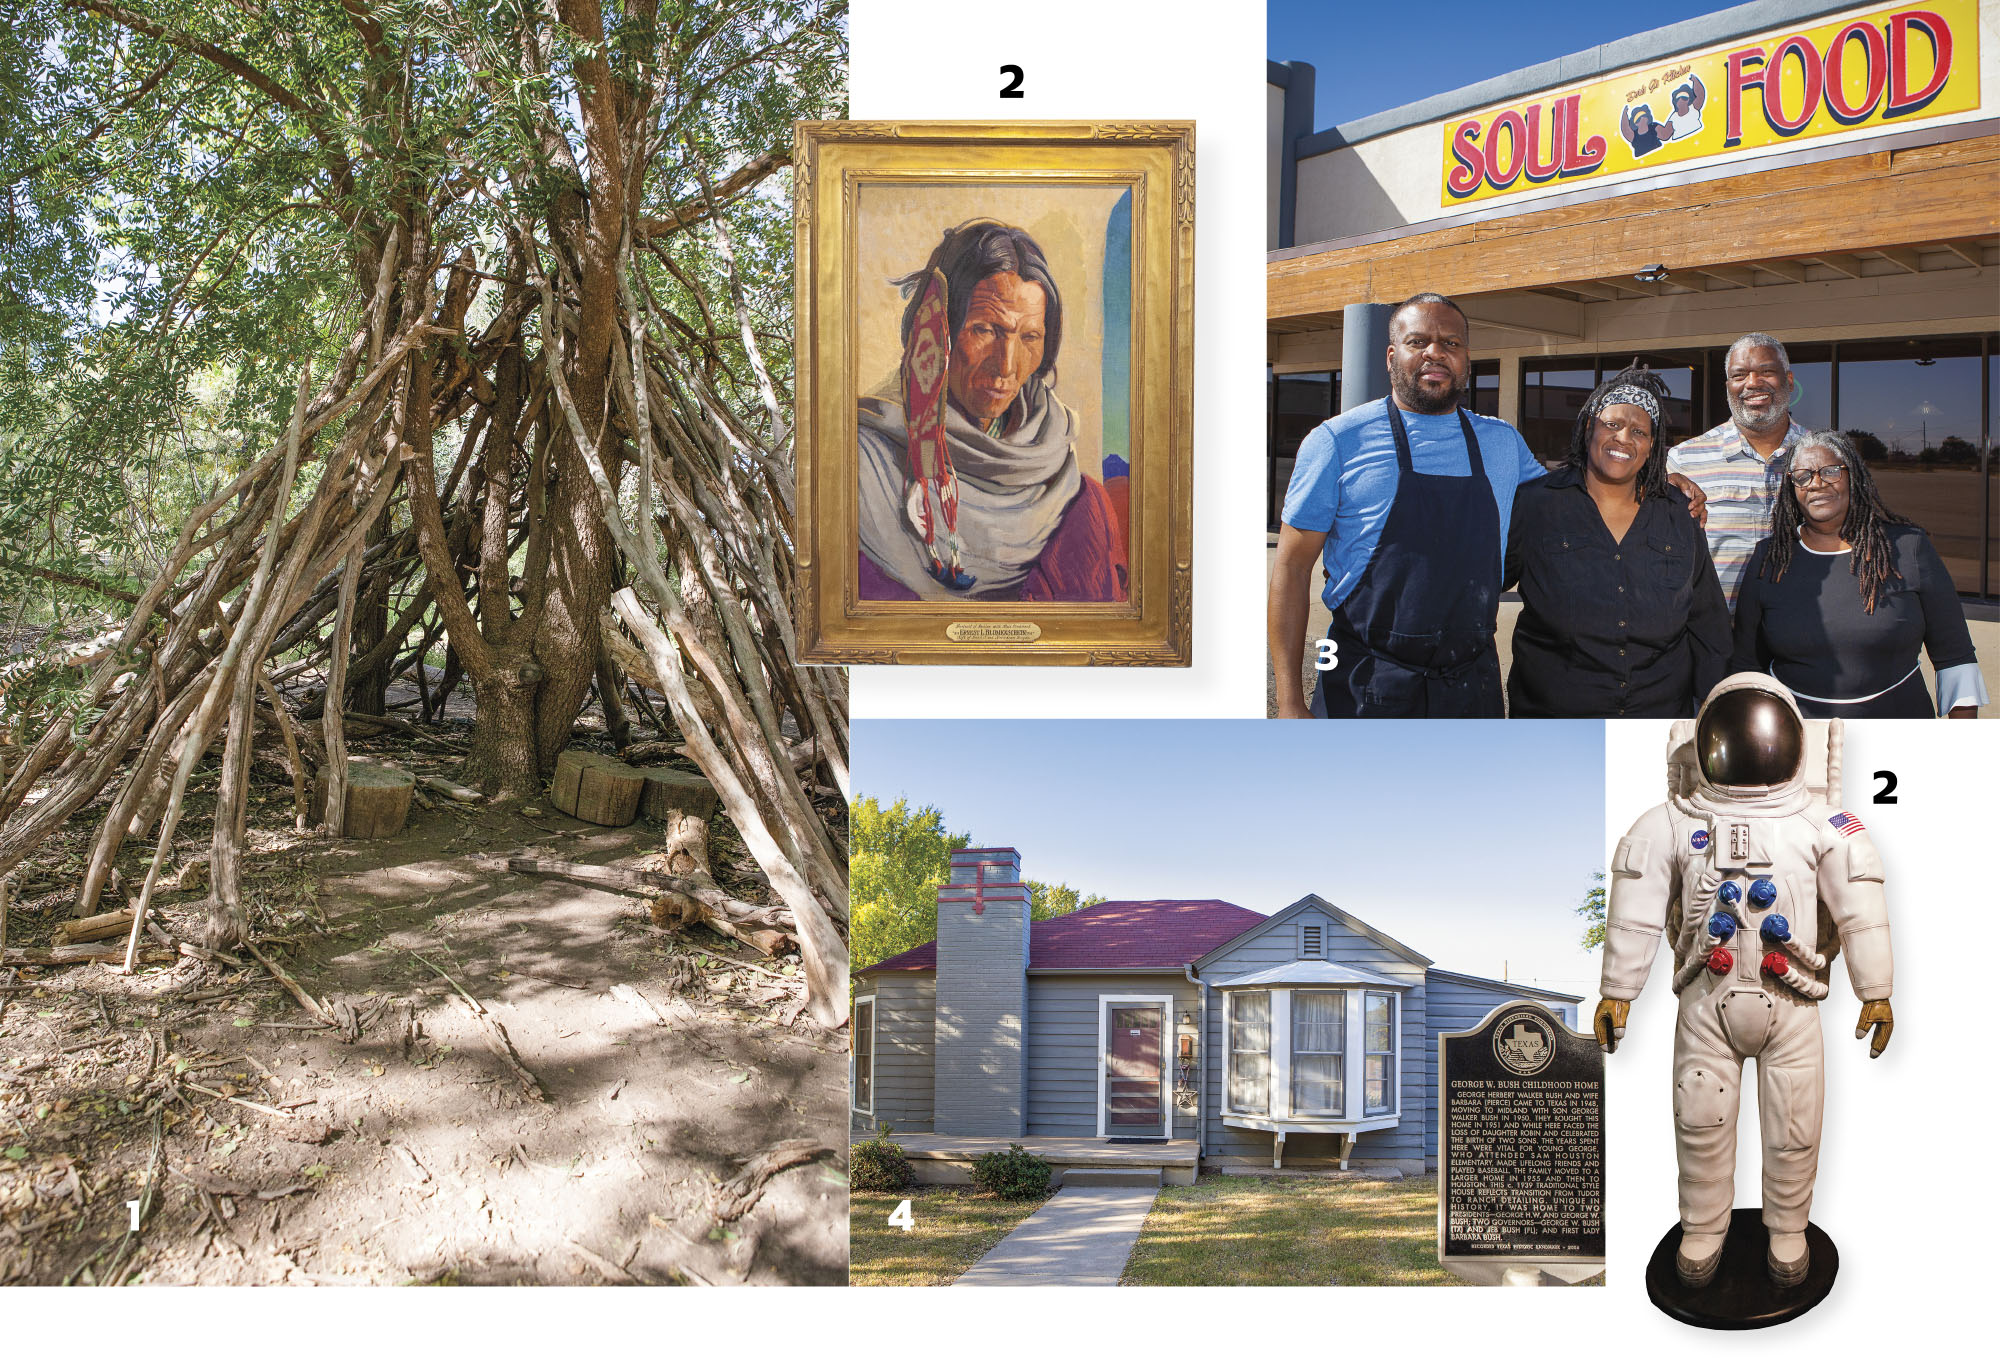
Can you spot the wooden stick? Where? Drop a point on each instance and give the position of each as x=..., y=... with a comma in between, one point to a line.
x=254, y=627
x=496, y=1032
x=305, y=1000
x=291, y=747
x=229, y=1098
x=333, y=818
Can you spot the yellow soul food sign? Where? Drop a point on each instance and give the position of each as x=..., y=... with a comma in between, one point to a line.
x=1877, y=68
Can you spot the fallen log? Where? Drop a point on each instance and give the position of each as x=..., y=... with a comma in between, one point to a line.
x=766, y=929
x=450, y=790
x=83, y=929
x=653, y=883
x=77, y=955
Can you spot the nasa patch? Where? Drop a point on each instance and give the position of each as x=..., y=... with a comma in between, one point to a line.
x=1699, y=840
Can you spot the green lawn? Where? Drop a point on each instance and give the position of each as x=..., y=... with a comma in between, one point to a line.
x=955, y=1226
x=1281, y=1230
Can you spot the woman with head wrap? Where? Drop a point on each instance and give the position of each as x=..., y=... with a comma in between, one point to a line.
x=1621, y=613
x=970, y=486
x=1837, y=601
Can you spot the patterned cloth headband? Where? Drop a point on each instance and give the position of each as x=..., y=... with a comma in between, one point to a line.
x=1631, y=394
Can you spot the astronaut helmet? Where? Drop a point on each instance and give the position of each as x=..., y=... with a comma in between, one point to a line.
x=1750, y=734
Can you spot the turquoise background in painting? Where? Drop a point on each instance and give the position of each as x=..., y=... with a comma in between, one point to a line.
x=1117, y=378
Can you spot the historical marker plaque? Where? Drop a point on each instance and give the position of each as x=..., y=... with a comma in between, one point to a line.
x=1520, y=1149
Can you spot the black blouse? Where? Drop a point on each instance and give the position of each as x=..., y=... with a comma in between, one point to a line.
x=1809, y=629
x=1611, y=629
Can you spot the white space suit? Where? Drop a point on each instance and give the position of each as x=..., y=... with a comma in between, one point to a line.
x=1757, y=886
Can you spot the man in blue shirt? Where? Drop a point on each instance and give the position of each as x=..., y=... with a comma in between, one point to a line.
x=1406, y=501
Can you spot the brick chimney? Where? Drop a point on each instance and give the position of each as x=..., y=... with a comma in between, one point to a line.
x=981, y=1055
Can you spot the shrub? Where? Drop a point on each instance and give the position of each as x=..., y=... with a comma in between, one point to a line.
x=879, y=1166
x=1011, y=1173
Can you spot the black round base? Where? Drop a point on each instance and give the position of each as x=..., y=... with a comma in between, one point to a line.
x=1741, y=1297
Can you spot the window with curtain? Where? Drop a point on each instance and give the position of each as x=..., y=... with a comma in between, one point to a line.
x=1250, y=1053
x=1378, y=1080
x=1319, y=1041
x=864, y=1055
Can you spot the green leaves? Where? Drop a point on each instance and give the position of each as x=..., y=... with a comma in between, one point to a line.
x=1592, y=908
x=898, y=858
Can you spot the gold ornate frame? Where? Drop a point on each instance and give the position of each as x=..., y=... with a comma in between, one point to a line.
x=1154, y=627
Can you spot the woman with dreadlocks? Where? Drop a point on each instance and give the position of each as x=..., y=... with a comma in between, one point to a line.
x=1837, y=600
x=1621, y=611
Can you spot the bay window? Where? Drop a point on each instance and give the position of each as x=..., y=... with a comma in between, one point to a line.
x=1319, y=1038
x=1379, y=1078
x=1287, y=1057
x=1249, y=1052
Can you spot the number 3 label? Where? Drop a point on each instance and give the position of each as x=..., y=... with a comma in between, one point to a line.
x=901, y=1216
x=1329, y=654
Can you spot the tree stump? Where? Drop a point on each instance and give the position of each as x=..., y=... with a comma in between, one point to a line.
x=378, y=799
x=596, y=788
x=675, y=791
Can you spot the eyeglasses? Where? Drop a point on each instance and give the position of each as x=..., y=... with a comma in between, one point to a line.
x=1832, y=473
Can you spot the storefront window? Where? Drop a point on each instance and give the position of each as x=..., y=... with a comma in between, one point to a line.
x=1299, y=403
x=1913, y=409
x=1812, y=374
x=1553, y=390
x=1486, y=388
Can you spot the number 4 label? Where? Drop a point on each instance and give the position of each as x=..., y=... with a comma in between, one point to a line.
x=901, y=1216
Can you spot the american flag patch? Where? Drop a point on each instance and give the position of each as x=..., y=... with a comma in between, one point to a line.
x=1846, y=824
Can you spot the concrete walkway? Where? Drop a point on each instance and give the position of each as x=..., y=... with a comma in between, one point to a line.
x=1080, y=1236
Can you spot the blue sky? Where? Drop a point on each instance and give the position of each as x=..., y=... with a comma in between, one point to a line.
x=1470, y=842
x=1373, y=57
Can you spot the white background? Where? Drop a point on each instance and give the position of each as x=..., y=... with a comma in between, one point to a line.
x=1100, y=61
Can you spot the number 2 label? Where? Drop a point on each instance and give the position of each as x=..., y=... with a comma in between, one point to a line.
x=901, y=1216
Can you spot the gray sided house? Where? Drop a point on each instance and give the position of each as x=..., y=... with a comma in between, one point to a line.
x=1306, y=1037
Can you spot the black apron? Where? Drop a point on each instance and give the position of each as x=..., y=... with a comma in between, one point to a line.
x=1415, y=635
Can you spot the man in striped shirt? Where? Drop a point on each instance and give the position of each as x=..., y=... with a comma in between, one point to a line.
x=1740, y=464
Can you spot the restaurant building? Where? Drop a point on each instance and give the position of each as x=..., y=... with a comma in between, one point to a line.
x=1827, y=174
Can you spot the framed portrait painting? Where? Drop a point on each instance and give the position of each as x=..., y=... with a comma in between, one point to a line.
x=995, y=359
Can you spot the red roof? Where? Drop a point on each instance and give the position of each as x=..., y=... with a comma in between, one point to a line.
x=1116, y=936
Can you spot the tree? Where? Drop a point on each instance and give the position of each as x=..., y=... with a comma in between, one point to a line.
x=901, y=856
x=1592, y=910
x=531, y=258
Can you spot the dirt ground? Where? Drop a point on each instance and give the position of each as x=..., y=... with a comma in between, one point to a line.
x=261, y=1148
